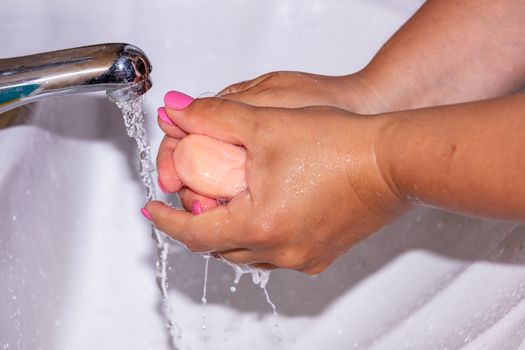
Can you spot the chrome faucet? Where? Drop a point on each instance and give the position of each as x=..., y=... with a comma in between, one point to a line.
x=122, y=70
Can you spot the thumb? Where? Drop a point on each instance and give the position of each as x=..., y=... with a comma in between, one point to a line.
x=222, y=119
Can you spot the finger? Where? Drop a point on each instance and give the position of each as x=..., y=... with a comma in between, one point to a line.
x=265, y=266
x=240, y=256
x=168, y=180
x=194, y=202
x=167, y=126
x=245, y=85
x=214, y=230
x=234, y=88
x=254, y=98
x=225, y=120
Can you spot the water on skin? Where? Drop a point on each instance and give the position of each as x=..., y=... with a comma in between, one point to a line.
x=133, y=113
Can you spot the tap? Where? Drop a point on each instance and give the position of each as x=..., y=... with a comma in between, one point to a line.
x=122, y=70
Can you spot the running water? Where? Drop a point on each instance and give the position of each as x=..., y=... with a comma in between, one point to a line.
x=206, y=266
x=133, y=113
x=259, y=277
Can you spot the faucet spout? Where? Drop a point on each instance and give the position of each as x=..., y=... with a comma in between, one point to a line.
x=122, y=70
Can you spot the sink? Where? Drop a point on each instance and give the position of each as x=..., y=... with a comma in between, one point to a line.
x=76, y=259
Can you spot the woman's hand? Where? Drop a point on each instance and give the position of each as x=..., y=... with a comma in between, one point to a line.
x=275, y=89
x=299, y=89
x=314, y=187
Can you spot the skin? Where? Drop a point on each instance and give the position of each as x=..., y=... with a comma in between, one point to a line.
x=327, y=178
x=287, y=169
x=312, y=194
x=212, y=168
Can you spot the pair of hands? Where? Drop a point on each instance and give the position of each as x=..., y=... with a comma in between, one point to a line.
x=316, y=185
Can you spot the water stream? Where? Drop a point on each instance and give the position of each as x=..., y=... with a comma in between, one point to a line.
x=133, y=114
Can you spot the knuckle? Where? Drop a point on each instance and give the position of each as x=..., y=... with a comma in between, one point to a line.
x=234, y=88
x=294, y=259
x=243, y=85
x=268, y=77
x=317, y=265
x=314, y=269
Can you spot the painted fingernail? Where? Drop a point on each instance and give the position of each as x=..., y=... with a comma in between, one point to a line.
x=164, y=116
x=196, y=208
x=177, y=100
x=146, y=214
x=161, y=187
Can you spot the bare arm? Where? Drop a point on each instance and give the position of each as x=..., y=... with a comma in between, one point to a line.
x=468, y=158
x=450, y=51
x=330, y=178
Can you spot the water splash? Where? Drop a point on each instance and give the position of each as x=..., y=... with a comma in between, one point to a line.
x=259, y=277
x=133, y=113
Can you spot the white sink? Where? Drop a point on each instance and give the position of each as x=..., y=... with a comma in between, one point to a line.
x=76, y=259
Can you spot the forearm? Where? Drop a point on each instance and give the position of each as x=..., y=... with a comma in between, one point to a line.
x=468, y=157
x=450, y=51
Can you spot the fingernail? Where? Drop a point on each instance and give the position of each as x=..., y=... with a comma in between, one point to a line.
x=164, y=116
x=177, y=100
x=160, y=186
x=196, y=208
x=146, y=214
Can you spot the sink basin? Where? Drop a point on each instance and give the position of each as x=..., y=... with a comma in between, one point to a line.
x=76, y=259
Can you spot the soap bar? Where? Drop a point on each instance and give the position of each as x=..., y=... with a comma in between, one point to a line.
x=210, y=167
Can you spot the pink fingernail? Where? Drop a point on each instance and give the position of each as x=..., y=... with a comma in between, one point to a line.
x=161, y=187
x=196, y=208
x=177, y=100
x=146, y=214
x=164, y=116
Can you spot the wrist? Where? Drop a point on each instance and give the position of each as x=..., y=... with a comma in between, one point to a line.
x=399, y=147
x=370, y=91
x=361, y=95
x=372, y=179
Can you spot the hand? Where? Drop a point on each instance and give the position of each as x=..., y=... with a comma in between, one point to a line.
x=314, y=188
x=170, y=180
x=298, y=89
x=275, y=89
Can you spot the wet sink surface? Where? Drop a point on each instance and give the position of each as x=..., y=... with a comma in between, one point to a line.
x=76, y=259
